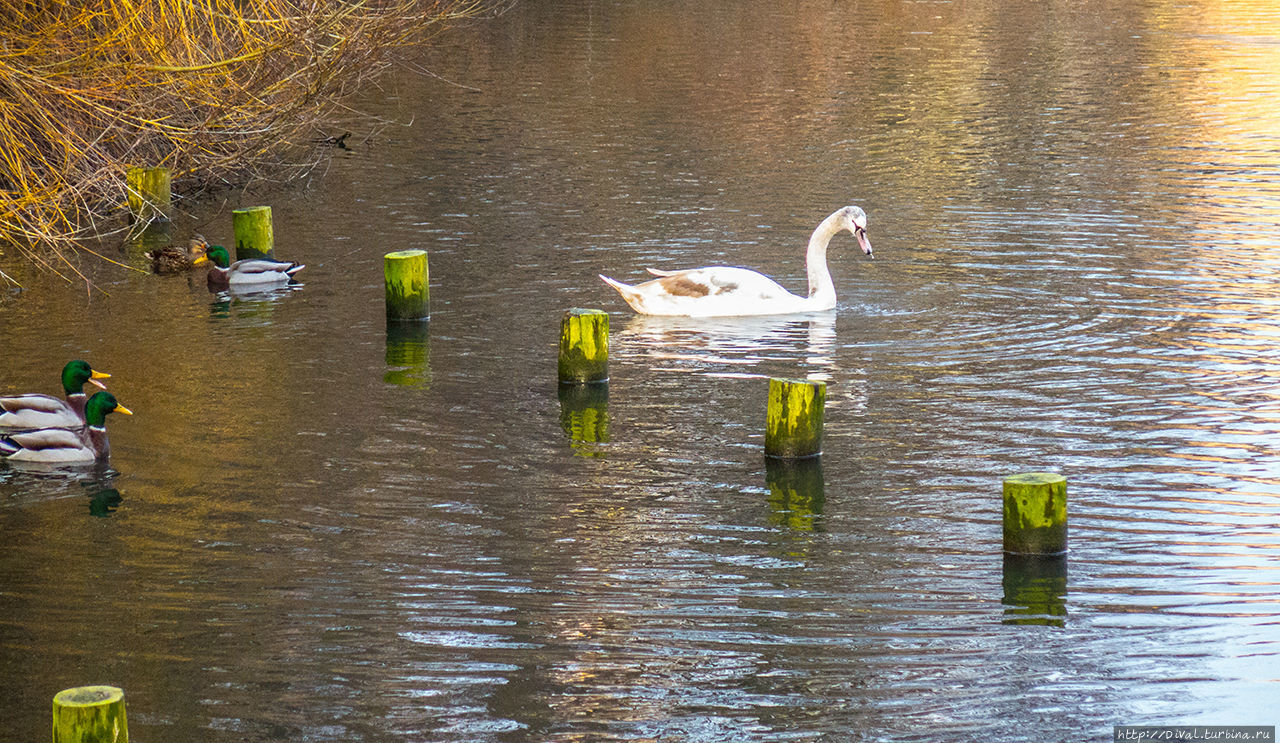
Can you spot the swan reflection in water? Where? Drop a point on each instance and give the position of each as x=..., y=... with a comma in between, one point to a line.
x=736, y=341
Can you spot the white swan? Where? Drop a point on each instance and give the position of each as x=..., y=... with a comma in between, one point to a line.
x=722, y=290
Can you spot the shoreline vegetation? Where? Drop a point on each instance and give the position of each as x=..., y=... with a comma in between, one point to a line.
x=221, y=92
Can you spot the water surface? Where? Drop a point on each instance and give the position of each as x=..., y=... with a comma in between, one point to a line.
x=316, y=528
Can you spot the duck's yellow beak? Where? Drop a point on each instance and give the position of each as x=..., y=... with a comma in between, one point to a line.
x=95, y=376
x=200, y=260
x=121, y=409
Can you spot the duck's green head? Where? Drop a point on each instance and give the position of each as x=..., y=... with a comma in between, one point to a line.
x=95, y=411
x=219, y=256
x=76, y=373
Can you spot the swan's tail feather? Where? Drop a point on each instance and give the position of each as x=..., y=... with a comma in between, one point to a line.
x=628, y=292
x=659, y=272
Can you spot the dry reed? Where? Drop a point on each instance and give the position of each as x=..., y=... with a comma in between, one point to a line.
x=219, y=91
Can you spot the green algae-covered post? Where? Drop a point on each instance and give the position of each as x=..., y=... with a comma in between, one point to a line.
x=1035, y=514
x=148, y=193
x=405, y=273
x=254, y=236
x=793, y=427
x=584, y=346
x=90, y=714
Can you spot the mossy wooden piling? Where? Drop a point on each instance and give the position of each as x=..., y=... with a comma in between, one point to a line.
x=1035, y=514
x=90, y=714
x=255, y=237
x=584, y=347
x=405, y=273
x=793, y=425
x=148, y=191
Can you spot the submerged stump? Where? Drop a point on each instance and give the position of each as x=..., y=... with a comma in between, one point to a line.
x=1035, y=514
x=149, y=194
x=584, y=347
x=405, y=273
x=90, y=714
x=255, y=238
x=793, y=426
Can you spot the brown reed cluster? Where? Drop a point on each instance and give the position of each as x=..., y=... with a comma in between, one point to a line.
x=219, y=91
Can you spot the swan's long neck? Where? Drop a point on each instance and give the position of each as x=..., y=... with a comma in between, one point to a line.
x=822, y=290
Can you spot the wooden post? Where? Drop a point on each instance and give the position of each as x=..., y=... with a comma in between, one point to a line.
x=584, y=346
x=148, y=193
x=254, y=236
x=90, y=714
x=793, y=426
x=1035, y=514
x=405, y=273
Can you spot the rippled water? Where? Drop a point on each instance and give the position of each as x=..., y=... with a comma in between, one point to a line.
x=316, y=528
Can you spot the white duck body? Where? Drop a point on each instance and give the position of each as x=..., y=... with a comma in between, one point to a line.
x=247, y=273
x=257, y=272
x=718, y=291
x=29, y=412
x=56, y=445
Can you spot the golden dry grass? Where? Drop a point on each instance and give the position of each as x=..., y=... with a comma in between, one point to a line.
x=216, y=90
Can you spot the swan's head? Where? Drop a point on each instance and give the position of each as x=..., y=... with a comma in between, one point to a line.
x=855, y=221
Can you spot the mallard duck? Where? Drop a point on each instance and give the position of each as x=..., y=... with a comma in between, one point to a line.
x=25, y=412
x=723, y=290
x=84, y=444
x=223, y=273
x=172, y=259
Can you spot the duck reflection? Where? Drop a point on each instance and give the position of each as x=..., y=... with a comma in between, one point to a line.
x=251, y=304
x=408, y=354
x=796, y=492
x=104, y=502
x=584, y=416
x=1035, y=589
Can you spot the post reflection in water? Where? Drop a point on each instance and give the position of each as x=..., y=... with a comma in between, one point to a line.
x=1035, y=589
x=146, y=237
x=796, y=494
x=584, y=416
x=408, y=354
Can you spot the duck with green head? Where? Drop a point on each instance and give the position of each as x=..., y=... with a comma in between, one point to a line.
x=57, y=445
x=26, y=412
x=172, y=259
x=224, y=274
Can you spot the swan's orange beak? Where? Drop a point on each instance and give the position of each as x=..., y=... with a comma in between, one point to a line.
x=861, y=234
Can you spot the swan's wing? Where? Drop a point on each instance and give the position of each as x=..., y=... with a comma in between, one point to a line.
x=659, y=272
x=718, y=281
